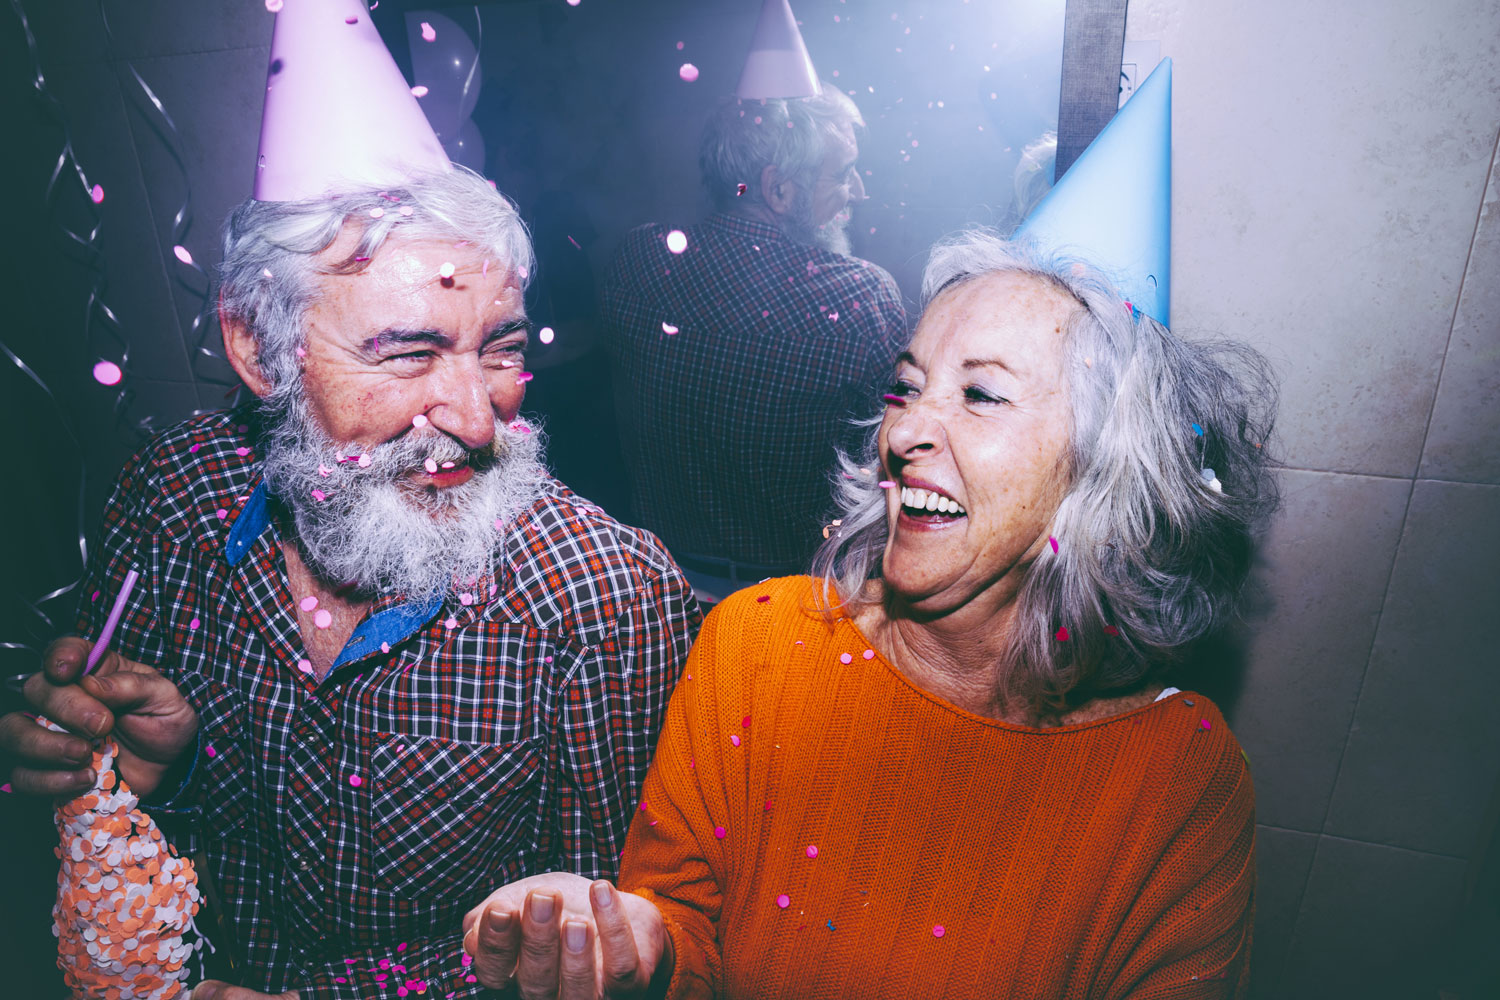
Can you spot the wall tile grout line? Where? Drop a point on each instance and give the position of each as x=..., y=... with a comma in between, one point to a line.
x=1458, y=301
x=1396, y=847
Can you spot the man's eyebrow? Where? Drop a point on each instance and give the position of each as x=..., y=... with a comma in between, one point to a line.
x=506, y=329
x=905, y=357
x=401, y=338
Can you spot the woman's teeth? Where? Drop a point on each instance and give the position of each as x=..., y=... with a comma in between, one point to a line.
x=929, y=501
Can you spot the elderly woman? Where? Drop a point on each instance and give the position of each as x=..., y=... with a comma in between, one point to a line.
x=946, y=765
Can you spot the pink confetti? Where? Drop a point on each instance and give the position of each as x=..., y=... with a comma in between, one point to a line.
x=385, y=647
x=466, y=599
x=428, y=35
x=668, y=328
x=182, y=254
x=545, y=334
x=274, y=6
x=324, y=470
x=745, y=722
x=419, y=91
x=406, y=210
x=242, y=451
x=94, y=596
x=1062, y=633
x=194, y=448
x=377, y=212
x=210, y=751
x=525, y=376
x=96, y=194
x=886, y=484
x=351, y=20
x=868, y=654
x=1053, y=542
x=937, y=931
x=194, y=623
x=734, y=739
x=450, y=623
x=768, y=807
x=301, y=352
x=107, y=373
x=319, y=495
x=430, y=466
x=763, y=598
x=305, y=666
x=323, y=618
x=720, y=832
x=1207, y=725
x=447, y=270
x=846, y=658
x=308, y=603
x=364, y=461
x=1111, y=630
x=740, y=189
x=812, y=850
x=677, y=241
x=356, y=780
x=222, y=513
x=419, y=420
x=783, y=900
x=688, y=72
x=679, y=46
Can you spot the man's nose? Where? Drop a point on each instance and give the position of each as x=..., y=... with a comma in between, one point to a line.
x=460, y=403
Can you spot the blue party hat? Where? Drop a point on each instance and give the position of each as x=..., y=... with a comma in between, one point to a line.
x=1113, y=208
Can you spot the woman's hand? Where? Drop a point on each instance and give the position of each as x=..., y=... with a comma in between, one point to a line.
x=558, y=935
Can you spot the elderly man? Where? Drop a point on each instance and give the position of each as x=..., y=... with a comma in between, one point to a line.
x=377, y=659
x=742, y=352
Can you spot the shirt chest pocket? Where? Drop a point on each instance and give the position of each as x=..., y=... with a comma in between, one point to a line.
x=449, y=817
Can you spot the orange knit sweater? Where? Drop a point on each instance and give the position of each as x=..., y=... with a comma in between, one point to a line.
x=813, y=825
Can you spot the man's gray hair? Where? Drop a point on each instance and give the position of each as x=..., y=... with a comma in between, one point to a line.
x=270, y=248
x=1145, y=546
x=742, y=138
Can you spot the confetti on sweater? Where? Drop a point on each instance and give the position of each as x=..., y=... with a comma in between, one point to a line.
x=125, y=899
x=812, y=850
x=763, y=598
x=937, y=931
x=846, y=657
x=783, y=901
x=720, y=832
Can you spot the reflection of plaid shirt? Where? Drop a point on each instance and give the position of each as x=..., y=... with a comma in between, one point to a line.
x=346, y=818
x=730, y=424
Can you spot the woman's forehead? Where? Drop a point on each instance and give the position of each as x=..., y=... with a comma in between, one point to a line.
x=1007, y=307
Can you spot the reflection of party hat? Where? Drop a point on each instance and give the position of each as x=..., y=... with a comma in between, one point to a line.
x=1113, y=207
x=778, y=64
x=338, y=112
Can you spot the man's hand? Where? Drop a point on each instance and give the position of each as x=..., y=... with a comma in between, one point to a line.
x=144, y=712
x=214, y=989
x=558, y=935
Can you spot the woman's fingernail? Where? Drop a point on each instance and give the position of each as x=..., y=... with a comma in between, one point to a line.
x=498, y=921
x=603, y=898
x=541, y=908
x=575, y=935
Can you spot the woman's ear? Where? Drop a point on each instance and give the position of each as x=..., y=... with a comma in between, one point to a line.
x=240, y=349
x=776, y=190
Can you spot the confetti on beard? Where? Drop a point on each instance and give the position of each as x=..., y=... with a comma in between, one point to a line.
x=383, y=526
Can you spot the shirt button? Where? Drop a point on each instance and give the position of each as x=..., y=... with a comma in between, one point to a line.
x=305, y=864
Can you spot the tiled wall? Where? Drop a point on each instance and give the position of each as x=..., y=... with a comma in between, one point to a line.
x=1337, y=204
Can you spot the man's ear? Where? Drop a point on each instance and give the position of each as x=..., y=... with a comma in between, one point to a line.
x=776, y=190
x=239, y=348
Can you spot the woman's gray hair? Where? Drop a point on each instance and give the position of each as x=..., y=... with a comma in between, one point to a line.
x=270, y=260
x=1149, y=556
x=743, y=137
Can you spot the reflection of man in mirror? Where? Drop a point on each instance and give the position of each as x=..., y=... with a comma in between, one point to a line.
x=742, y=353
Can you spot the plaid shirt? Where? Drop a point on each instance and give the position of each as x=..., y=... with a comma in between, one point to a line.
x=356, y=819
x=731, y=423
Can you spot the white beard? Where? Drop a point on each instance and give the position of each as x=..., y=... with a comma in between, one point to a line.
x=833, y=235
x=380, y=531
